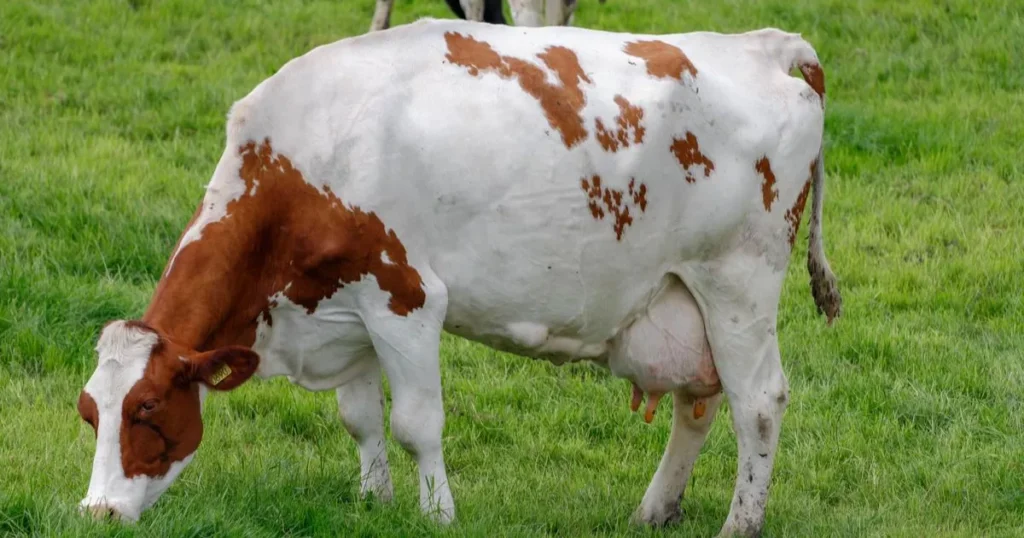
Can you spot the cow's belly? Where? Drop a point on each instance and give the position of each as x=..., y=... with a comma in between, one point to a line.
x=519, y=285
x=544, y=297
x=535, y=321
x=651, y=334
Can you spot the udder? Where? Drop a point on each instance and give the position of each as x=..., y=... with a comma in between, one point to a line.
x=666, y=350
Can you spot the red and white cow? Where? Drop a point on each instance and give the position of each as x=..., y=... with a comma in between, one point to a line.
x=560, y=193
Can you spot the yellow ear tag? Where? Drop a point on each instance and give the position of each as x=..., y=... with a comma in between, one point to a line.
x=223, y=372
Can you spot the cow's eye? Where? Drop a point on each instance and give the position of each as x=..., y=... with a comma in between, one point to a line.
x=148, y=406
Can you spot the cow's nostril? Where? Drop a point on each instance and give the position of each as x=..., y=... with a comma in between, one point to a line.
x=111, y=513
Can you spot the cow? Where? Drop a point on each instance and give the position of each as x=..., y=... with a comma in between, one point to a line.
x=559, y=193
x=524, y=12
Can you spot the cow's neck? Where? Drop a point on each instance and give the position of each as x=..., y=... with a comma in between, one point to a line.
x=211, y=296
x=217, y=286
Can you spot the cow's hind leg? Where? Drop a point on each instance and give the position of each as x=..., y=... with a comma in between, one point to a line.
x=739, y=297
x=409, y=351
x=381, y=15
x=689, y=429
x=361, y=405
x=474, y=9
x=527, y=12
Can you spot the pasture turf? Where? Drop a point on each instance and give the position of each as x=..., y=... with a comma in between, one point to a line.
x=906, y=415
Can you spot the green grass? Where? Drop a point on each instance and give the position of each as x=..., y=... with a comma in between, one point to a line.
x=906, y=416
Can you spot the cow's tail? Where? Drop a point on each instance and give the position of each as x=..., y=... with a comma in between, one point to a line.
x=823, y=281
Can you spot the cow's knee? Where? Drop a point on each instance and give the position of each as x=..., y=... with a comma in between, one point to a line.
x=361, y=410
x=417, y=421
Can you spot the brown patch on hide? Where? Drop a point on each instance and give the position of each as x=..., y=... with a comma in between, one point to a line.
x=88, y=411
x=768, y=191
x=687, y=152
x=815, y=78
x=615, y=202
x=561, y=103
x=284, y=235
x=639, y=194
x=663, y=60
x=794, y=213
x=627, y=123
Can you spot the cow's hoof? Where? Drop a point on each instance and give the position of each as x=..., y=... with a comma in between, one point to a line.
x=441, y=517
x=380, y=494
x=657, y=516
x=732, y=531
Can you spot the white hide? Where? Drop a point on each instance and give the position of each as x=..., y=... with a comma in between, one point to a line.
x=320, y=351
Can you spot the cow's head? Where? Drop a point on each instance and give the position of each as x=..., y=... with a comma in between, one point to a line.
x=144, y=402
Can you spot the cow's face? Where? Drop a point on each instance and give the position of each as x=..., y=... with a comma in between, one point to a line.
x=144, y=402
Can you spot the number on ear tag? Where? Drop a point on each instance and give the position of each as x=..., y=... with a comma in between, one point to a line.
x=222, y=373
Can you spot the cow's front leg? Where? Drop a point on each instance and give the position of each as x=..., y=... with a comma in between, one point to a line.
x=408, y=349
x=691, y=421
x=417, y=421
x=361, y=405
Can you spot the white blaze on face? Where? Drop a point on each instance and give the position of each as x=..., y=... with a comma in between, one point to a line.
x=124, y=352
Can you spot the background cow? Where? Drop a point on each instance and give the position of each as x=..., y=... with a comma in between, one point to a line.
x=524, y=12
x=559, y=193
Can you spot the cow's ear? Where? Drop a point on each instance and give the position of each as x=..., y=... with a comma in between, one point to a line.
x=224, y=368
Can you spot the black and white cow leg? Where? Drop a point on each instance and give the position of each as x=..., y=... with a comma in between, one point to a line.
x=568, y=13
x=691, y=421
x=409, y=351
x=527, y=12
x=361, y=406
x=473, y=9
x=739, y=297
x=381, y=15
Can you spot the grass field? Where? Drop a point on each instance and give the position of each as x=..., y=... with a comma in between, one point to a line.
x=906, y=416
